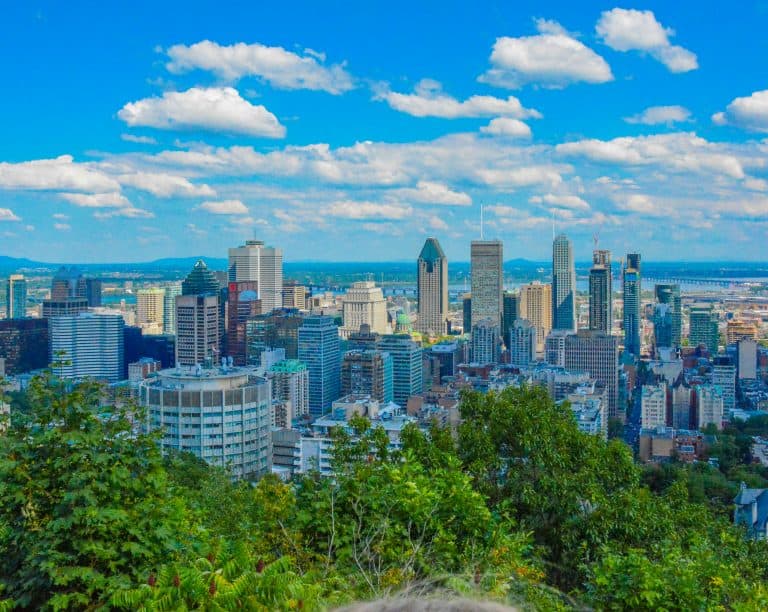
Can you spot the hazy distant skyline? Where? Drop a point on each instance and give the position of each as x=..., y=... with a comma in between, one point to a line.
x=351, y=132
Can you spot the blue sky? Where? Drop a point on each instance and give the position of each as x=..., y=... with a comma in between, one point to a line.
x=351, y=131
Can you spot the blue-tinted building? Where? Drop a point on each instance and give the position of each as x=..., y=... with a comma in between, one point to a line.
x=632, y=289
x=16, y=297
x=407, y=367
x=319, y=348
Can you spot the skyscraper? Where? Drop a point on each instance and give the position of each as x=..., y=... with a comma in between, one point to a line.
x=16, y=297
x=487, y=269
x=150, y=309
x=368, y=372
x=563, y=285
x=536, y=307
x=407, y=368
x=597, y=353
x=319, y=349
x=511, y=313
x=24, y=344
x=631, y=292
x=704, y=327
x=169, y=307
x=601, y=292
x=69, y=283
x=254, y=261
x=432, y=289
x=485, y=342
x=200, y=281
x=88, y=345
x=364, y=304
x=197, y=329
x=522, y=343
x=670, y=295
x=242, y=305
x=290, y=382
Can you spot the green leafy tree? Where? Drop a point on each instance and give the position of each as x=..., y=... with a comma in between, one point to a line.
x=84, y=499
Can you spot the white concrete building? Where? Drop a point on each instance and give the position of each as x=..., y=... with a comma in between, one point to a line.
x=221, y=415
x=653, y=406
x=709, y=406
x=364, y=303
x=254, y=261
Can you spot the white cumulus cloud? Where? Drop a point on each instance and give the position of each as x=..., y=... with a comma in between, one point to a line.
x=431, y=192
x=429, y=100
x=655, y=115
x=563, y=201
x=6, y=214
x=280, y=68
x=225, y=207
x=348, y=209
x=633, y=30
x=97, y=200
x=138, y=139
x=60, y=173
x=165, y=185
x=505, y=126
x=219, y=109
x=750, y=113
x=553, y=58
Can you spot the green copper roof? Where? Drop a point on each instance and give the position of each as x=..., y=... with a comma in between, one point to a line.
x=288, y=366
x=431, y=250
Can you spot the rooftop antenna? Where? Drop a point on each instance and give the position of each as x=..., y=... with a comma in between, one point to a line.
x=481, y=223
x=596, y=239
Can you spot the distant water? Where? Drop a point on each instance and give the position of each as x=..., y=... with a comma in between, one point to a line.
x=114, y=299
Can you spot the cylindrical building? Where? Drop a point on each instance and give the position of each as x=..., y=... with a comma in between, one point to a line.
x=218, y=414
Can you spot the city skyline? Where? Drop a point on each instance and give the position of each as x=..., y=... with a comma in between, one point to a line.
x=230, y=123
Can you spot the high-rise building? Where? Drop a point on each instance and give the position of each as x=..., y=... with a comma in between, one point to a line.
x=407, y=368
x=16, y=297
x=681, y=405
x=709, y=406
x=736, y=330
x=449, y=355
x=432, y=289
x=224, y=419
x=278, y=329
x=368, y=372
x=631, y=281
x=93, y=292
x=24, y=344
x=704, y=327
x=466, y=311
x=563, y=285
x=536, y=307
x=242, y=305
x=150, y=309
x=294, y=295
x=485, y=342
x=364, y=304
x=318, y=346
x=290, y=383
x=601, y=292
x=200, y=281
x=487, y=269
x=511, y=313
x=254, y=261
x=65, y=307
x=169, y=307
x=746, y=354
x=68, y=283
x=88, y=345
x=522, y=343
x=597, y=353
x=554, y=347
x=197, y=329
x=653, y=406
x=670, y=295
x=724, y=376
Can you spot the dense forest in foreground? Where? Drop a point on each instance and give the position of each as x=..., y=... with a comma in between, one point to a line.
x=517, y=506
